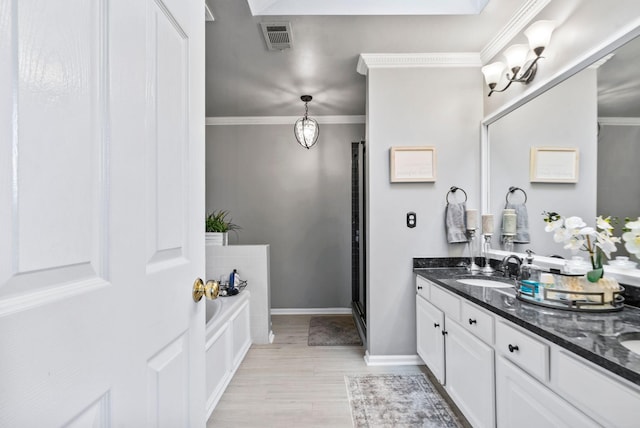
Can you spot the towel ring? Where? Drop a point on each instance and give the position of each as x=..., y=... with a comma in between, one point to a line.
x=453, y=189
x=512, y=189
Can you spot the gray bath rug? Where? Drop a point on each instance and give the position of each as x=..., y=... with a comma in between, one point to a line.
x=333, y=330
x=407, y=400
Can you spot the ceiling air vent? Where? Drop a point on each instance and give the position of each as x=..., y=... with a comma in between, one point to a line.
x=277, y=35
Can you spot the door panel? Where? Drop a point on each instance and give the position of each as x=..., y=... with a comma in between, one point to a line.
x=55, y=81
x=167, y=136
x=168, y=385
x=101, y=204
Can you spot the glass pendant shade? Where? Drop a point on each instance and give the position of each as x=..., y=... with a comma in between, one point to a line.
x=493, y=73
x=539, y=34
x=516, y=56
x=306, y=131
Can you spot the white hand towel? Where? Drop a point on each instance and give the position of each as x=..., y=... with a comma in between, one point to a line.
x=455, y=222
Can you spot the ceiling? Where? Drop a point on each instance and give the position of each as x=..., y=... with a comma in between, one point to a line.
x=246, y=79
x=618, y=83
x=366, y=7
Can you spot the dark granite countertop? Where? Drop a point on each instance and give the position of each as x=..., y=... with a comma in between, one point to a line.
x=593, y=336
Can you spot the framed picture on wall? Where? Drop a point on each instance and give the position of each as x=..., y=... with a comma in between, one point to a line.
x=553, y=165
x=413, y=164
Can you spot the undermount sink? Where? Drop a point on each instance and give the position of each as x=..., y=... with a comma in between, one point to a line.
x=631, y=341
x=485, y=283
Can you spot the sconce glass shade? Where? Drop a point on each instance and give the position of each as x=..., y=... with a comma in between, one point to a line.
x=493, y=73
x=539, y=34
x=516, y=56
x=306, y=131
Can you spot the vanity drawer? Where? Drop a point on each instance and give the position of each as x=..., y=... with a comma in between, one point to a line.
x=609, y=400
x=528, y=353
x=423, y=287
x=477, y=321
x=446, y=302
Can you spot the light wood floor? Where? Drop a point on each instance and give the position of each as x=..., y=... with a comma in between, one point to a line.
x=289, y=384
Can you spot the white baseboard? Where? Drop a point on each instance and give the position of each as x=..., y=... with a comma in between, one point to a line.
x=392, y=360
x=311, y=311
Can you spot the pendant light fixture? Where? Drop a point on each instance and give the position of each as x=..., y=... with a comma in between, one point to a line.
x=306, y=129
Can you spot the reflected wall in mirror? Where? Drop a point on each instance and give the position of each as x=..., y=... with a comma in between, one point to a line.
x=564, y=116
x=619, y=135
x=596, y=111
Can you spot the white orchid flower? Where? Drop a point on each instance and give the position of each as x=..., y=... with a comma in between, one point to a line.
x=574, y=223
x=604, y=223
x=632, y=237
x=587, y=231
x=553, y=225
x=606, y=243
x=561, y=235
x=574, y=244
x=632, y=245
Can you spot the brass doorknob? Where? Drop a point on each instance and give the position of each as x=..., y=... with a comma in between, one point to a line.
x=210, y=290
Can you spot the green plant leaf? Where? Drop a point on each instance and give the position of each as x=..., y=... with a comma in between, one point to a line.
x=217, y=222
x=595, y=275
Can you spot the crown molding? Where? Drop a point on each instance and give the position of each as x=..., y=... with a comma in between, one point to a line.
x=601, y=62
x=436, y=59
x=523, y=16
x=282, y=120
x=619, y=121
x=208, y=14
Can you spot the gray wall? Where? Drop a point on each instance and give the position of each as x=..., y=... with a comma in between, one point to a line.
x=564, y=116
x=440, y=107
x=296, y=200
x=618, y=174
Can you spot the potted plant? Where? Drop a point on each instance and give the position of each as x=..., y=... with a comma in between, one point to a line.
x=217, y=227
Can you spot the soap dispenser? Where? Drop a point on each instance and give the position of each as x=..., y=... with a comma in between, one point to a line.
x=530, y=276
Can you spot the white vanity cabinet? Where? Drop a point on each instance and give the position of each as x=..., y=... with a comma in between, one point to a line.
x=502, y=375
x=430, y=340
x=524, y=402
x=469, y=375
x=460, y=361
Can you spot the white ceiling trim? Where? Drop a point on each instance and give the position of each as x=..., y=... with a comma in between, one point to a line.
x=366, y=7
x=282, y=120
x=208, y=14
x=523, y=16
x=619, y=121
x=438, y=59
x=600, y=63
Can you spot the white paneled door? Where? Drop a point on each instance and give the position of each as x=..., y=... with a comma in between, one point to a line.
x=101, y=209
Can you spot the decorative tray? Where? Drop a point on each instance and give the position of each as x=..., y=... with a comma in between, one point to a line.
x=573, y=300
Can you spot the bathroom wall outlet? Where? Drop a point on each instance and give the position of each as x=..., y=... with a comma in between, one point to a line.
x=411, y=219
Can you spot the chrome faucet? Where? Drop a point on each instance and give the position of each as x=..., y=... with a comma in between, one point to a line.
x=507, y=270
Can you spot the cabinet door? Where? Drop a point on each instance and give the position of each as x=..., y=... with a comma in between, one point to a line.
x=430, y=341
x=470, y=375
x=523, y=402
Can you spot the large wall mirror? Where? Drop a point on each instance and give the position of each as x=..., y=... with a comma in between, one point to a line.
x=593, y=109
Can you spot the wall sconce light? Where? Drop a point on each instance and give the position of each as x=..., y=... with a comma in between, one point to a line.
x=519, y=63
x=306, y=129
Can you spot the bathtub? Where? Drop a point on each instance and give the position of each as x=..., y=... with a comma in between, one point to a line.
x=213, y=308
x=228, y=338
